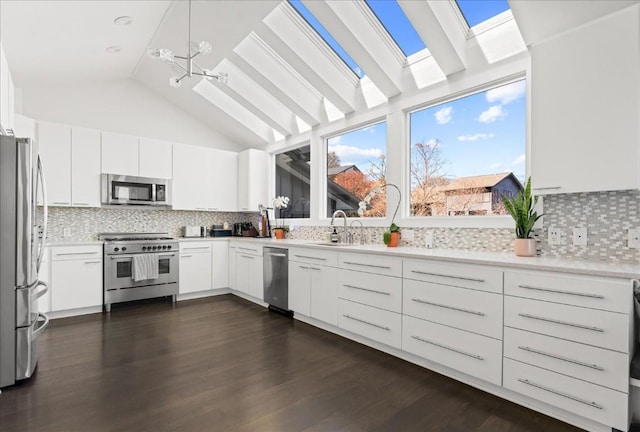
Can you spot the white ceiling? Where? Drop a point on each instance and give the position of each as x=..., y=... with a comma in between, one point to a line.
x=55, y=43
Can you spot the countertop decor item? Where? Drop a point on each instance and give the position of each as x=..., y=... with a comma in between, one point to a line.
x=522, y=210
x=391, y=237
x=280, y=202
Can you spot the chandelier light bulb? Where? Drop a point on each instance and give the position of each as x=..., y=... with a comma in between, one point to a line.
x=153, y=53
x=166, y=55
x=223, y=77
x=208, y=74
x=174, y=82
x=204, y=47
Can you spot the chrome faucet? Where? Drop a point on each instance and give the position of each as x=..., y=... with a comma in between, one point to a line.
x=361, y=231
x=345, y=233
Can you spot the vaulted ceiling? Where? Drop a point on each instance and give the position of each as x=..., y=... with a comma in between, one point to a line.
x=284, y=79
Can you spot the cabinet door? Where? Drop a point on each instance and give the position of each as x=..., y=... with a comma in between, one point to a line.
x=76, y=284
x=85, y=167
x=195, y=272
x=156, y=158
x=232, y=268
x=119, y=154
x=222, y=172
x=256, y=278
x=300, y=288
x=55, y=152
x=219, y=265
x=189, y=170
x=24, y=127
x=4, y=90
x=242, y=272
x=252, y=179
x=324, y=295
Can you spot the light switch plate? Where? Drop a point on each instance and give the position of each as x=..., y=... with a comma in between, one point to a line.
x=554, y=236
x=634, y=238
x=580, y=236
x=428, y=239
x=408, y=235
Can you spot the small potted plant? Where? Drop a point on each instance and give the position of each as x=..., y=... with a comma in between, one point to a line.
x=521, y=208
x=280, y=202
x=391, y=237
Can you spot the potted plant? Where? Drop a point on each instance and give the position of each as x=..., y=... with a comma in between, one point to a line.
x=521, y=208
x=280, y=202
x=391, y=237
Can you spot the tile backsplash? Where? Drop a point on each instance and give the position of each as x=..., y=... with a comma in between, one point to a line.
x=606, y=215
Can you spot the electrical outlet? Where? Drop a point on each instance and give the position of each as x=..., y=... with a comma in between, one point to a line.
x=580, y=236
x=66, y=232
x=408, y=235
x=428, y=239
x=554, y=236
x=634, y=238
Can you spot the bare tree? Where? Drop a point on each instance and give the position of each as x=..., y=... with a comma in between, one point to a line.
x=333, y=160
x=427, y=179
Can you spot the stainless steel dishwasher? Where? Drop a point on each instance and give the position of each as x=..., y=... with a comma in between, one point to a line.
x=276, y=279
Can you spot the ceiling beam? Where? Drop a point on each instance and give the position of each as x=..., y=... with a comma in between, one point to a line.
x=358, y=31
x=439, y=27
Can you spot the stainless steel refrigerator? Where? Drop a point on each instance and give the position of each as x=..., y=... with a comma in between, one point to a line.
x=21, y=252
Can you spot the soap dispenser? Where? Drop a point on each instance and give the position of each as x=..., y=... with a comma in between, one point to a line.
x=334, y=236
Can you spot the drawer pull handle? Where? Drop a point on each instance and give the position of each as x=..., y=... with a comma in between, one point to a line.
x=582, y=326
x=196, y=248
x=367, y=322
x=76, y=253
x=314, y=268
x=529, y=287
x=281, y=255
x=310, y=257
x=248, y=256
x=448, y=276
x=93, y=262
x=304, y=267
x=448, y=307
x=475, y=356
x=248, y=249
x=366, y=289
x=367, y=265
x=568, y=360
x=186, y=256
x=556, y=392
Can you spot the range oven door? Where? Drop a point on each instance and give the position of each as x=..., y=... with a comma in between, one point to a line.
x=119, y=271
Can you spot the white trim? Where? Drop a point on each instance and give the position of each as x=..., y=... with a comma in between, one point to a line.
x=382, y=31
x=491, y=23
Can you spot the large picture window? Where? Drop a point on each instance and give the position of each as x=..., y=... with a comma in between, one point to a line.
x=356, y=166
x=467, y=153
x=293, y=175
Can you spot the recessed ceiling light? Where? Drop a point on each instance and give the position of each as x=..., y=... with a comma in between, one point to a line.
x=123, y=20
x=113, y=49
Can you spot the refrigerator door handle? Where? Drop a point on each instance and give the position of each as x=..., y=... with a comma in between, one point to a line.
x=41, y=292
x=45, y=212
x=42, y=327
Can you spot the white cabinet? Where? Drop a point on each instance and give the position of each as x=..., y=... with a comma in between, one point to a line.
x=249, y=267
x=313, y=286
x=24, y=127
x=55, y=152
x=584, y=118
x=324, y=299
x=300, y=288
x=222, y=175
x=85, y=167
x=219, y=264
x=189, y=178
x=155, y=158
x=195, y=267
x=6, y=92
x=232, y=266
x=253, y=179
x=119, y=154
x=76, y=277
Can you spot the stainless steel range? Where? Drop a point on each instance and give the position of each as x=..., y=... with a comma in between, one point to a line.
x=139, y=266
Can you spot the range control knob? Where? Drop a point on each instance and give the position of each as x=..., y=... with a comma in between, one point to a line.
x=116, y=249
x=144, y=248
x=155, y=247
x=124, y=248
x=164, y=247
x=169, y=247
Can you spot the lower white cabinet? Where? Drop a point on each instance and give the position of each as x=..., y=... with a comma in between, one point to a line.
x=373, y=323
x=219, y=264
x=300, y=288
x=231, y=254
x=76, y=277
x=249, y=267
x=195, y=267
x=313, y=285
x=324, y=297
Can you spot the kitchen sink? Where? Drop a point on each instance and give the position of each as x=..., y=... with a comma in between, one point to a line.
x=326, y=243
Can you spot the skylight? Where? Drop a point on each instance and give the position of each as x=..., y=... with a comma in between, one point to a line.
x=324, y=34
x=397, y=24
x=478, y=11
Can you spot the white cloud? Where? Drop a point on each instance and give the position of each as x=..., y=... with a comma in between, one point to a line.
x=492, y=114
x=519, y=160
x=345, y=151
x=444, y=115
x=475, y=137
x=334, y=141
x=507, y=93
x=495, y=166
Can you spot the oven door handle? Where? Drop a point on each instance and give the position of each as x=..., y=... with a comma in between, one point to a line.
x=131, y=256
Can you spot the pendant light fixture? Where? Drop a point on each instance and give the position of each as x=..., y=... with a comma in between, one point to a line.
x=190, y=68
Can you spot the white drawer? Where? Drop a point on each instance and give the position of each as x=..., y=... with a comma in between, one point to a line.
x=383, y=292
x=250, y=249
x=466, y=309
x=195, y=247
x=64, y=253
x=377, y=264
x=313, y=256
x=373, y=323
x=587, y=291
x=593, y=327
x=459, y=275
x=599, y=366
x=588, y=400
x=475, y=355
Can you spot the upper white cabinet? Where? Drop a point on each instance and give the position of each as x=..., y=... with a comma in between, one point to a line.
x=585, y=108
x=85, y=167
x=119, y=154
x=252, y=179
x=6, y=93
x=222, y=172
x=155, y=158
x=24, y=127
x=189, y=178
x=55, y=152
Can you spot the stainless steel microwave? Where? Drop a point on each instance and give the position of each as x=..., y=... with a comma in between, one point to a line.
x=130, y=190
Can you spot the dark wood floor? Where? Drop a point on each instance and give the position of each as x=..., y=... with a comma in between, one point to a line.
x=224, y=364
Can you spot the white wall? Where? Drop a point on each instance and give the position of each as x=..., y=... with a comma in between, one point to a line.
x=120, y=106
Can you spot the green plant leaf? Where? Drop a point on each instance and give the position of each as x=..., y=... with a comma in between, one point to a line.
x=521, y=208
x=386, y=237
x=394, y=228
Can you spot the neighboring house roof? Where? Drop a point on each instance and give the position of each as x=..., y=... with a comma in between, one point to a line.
x=339, y=170
x=480, y=182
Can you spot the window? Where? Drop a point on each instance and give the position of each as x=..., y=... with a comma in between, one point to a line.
x=293, y=180
x=355, y=166
x=397, y=25
x=478, y=11
x=467, y=153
